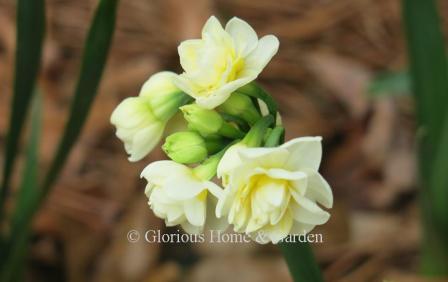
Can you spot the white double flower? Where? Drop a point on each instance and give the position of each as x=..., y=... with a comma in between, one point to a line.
x=223, y=60
x=275, y=191
x=141, y=120
x=179, y=195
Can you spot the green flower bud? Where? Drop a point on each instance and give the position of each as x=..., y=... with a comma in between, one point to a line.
x=241, y=105
x=202, y=120
x=185, y=147
x=208, y=122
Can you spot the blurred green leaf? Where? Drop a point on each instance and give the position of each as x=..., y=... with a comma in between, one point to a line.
x=94, y=59
x=28, y=196
x=30, y=36
x=428, y=65
x=429, y=74
x=390, y=84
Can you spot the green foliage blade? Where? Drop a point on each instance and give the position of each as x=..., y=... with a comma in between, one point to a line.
x=94, y=59
x=429, y=74
x=29, y=41
x=16, y=249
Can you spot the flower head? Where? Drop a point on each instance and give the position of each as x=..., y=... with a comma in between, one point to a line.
x=137, y=127
x=223, y=60
x=273, y=192
x=179, y=195
x=140, y=121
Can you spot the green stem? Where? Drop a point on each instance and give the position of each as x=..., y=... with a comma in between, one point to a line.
x=207, y=170
x=275, y=137
x=256, y=134
x=241, y=123
x=254, y=90
x=230, y=131
x=301, y=262
x=215, y=145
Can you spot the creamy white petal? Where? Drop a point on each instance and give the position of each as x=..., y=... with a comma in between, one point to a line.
x=307, y=204
x=298, y=186
x=184, y=84
x=272, y=191
x=130, y=113
x=221, y=94
x=175, y=214
x=224, y=204
x=162, y=170
x=145, y=140
x=212, y=26
x=266, y=49
x=305, y=153
x=212, y=222
x=158, y=84
x=304, y=215
x=183, y=188
x=265, y=157
x=280, y=230
x=195, y=211
x=279, y=173
x=300, y=228
x=244, y=36
x=319, y=190
x=189, y=54
x=230, y=160
x=214, y=189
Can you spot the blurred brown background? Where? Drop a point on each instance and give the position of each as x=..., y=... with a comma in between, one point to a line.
x=329, y=52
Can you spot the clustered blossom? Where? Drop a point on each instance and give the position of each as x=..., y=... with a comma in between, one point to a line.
x=233, y=132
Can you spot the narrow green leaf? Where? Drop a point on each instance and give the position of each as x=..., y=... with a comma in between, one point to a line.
x=429, y=74
x=94, y=59
x=428, y=65
x=390, y=84
x=301, y=262
x=30, y=36
x=28, y=195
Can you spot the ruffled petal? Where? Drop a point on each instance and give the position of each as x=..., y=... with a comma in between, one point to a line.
x=189, y=51
x=195, y=211
x=244, y=36
x=220, y=95
x=304, y=153
x=265, y=157
x=257, y=60
x=158, y=84
x=145, y=140
x=302, y=214
x=319, y=190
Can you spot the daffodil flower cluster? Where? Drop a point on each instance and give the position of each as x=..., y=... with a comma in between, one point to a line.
x=233, y=132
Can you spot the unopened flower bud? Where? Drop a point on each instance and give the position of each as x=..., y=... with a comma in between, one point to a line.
x=185, y=147
x=240, y=105
x=208, y=122
x=202, y=120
